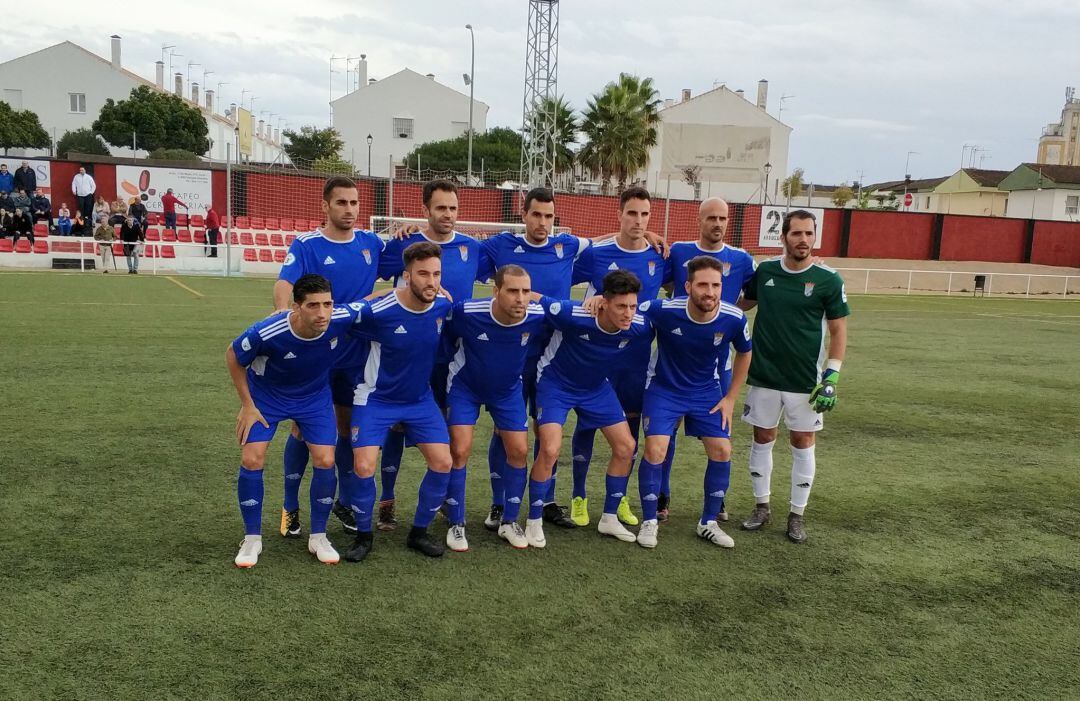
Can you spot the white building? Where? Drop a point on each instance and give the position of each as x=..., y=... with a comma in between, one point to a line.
x=67, y=85
x=400, y=112
x=1038, y=191
x=730, y=139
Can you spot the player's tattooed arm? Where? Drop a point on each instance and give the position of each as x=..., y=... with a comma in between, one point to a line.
x=402, y=231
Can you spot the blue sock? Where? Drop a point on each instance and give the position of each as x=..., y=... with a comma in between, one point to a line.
x=649, y=488
x=323, y=484
x=537, y=493
x=514, y=479
x=616, y=490
x=665, y=476
x=362, y=491
x=717, y=480
x=581, y=445
x=296, y=459
x=249, y=492
x=391, y=462
x=455, y=496
x=635, y=431
x=432, y=495
x=496, y=466
x=344, y=456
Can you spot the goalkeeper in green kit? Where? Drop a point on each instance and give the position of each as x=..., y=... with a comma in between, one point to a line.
x=791, y=373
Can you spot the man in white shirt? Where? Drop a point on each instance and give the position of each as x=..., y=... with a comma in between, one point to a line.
x=84, y=187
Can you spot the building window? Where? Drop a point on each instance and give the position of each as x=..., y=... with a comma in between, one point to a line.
x=1072, y=205
x=78, y=102
x=403, y=128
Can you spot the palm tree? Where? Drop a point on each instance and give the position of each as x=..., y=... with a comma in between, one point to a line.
x=620, y=126
x=566, y=129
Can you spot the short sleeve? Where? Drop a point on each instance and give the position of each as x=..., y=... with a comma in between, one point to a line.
x=581, y=244
x=751, y=274
x=363, y=325
x=292, y=269
x=742, y=336
x=836, y=305
x=583, y=267
x=485, y=268
x=390, y=261
x=247, y=345
x=750, y=288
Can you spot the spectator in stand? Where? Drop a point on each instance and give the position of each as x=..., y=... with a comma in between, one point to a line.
x=138, y=210
x=21, y=200
x=63, y=220
x=80, y=226
x=168, y=206
x=5, y=202
x=117, y=210
x=41, y=209
x=213, y=229
x=7, y=180
x=101, y=207
x=19, y=225
x=84, y=187
x=104, y=234
x=4, y=217
x=26, y=178
x=131, y=233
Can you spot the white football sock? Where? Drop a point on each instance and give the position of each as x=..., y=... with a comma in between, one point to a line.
x=803, y=467
x=761, y=470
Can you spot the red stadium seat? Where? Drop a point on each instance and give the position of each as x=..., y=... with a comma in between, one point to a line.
x=200, y=236
x=272, y=224
x=168, y=235
x=153, y=218
x=243, y=223
x=118, y=249
x=184, y=236
x=62, y=246
x=262, y=239
x=258, y=223
x=279, y=256
x=287, y=225
x=197, y=220
x=266, y=255
x=23, y=246
x=277, y=240
x=153, y=235
x=90, y=247
x=246, y=239
x=41, y=229
x=234, y=239
x=5, y=246
x=289, y=238
x=151, y=252
x=181, y=220
x=250, y=255
x=41, y=246
x=168, y=252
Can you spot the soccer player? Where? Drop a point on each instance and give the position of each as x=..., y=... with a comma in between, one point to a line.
x=280, y=367
x=628, y=250
x=349, y=259
x=573, y=375
x=491, y=339
x=460, y=262
x=738, y=269
x=692, y=337
x=404, y=329
x=797, y=299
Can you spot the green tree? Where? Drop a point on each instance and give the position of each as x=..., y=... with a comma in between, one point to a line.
x=567, y=126
x=173, y=154
x=792, y=185
x=620, y=126
x=841, y=196
x=312, y=144
x=157, y=120
x=21, y=129
x=499, y=148
x=81, y=141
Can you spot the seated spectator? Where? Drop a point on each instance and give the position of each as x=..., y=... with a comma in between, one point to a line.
x=131, y=233
x=138, y=210
x=117, y=210
x=63, y=220
x=20, y=200
x=7, y=180
x=79, y=226
x=104, y=234
x=168, y=207
x=5, y=202
x=5, y=216
x=101, y=207
x=41, y=209
x=26, y=178
x=19, y=225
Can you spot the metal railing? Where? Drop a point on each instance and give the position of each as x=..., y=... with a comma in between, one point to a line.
x=949, y=282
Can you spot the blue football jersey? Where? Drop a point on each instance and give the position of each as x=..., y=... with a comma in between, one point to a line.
x=580, y=354
x=284, y=369
x=489, y=356
x=689, y=354
x=599, y=259
x=738, y=265
x=460, y=262
x=550, y=265
x=351, y=266
x=403, y=348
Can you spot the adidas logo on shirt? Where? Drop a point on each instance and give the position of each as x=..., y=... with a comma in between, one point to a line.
x=290, y=355
x=677, y=331
x=328, y=261
x=585, y=336
x=770, y=283
x=482, y=337
x=400, y=329
x=519, y=249
x=613, y=267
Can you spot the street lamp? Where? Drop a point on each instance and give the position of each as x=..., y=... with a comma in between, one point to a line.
x=767, y=169
x=369, y=140
x=471, y=82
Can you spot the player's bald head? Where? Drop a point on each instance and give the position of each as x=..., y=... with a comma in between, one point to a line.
x=712, y=204
x=713, y=218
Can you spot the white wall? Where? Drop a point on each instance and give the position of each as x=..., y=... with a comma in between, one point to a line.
x=438, y=113
x=1040, y=204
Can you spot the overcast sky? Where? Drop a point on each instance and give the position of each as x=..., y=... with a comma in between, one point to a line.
x=871, y=81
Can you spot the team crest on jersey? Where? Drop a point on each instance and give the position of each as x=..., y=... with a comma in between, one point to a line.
x=333, y=343
x=245, y=344
x=652, y=267
x=727, y=269
x=525, y=338
x=464, y=252
x=367, y=255
x=717, y=338
x=808, y=289
x=559, y=250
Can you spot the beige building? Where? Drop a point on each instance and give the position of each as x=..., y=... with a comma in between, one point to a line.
x=1059, y=145
x=971, y=191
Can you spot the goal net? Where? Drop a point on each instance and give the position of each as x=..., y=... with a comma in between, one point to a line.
x=385, y=226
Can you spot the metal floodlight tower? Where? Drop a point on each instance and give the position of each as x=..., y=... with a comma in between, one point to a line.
x=541, y=79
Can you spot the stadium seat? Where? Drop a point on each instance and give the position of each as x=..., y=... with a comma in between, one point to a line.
x=153, y=218
x=184, y=236
x=287, y=225
x=41, y=246
x=90, y=247
x=243, y=223
x=197, y=220
x=258, y=223
x=118, y=249
x=272, y=224
x=168, y=235
x=277, y=240
x=279, y=255
x=41, y=229
x=250, y=255
x=289, y=238
x=261, y=239
x=150, y=252
x=168, y=252
x=153, y=235
x=246, y=239
x=200, y=236
x=181, y=220
x=266, y=255
x=5, y=246
x=23, y=246
x=234, y=239
x=61, y=246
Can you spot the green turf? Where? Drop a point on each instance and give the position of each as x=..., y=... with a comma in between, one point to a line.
x=943, y=562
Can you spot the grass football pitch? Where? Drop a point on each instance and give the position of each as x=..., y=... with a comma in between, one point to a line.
x=943, y=561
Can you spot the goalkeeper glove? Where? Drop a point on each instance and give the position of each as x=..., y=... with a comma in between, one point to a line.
x=823, y=398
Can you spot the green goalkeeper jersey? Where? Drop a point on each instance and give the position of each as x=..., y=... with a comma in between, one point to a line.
x=790, y=326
